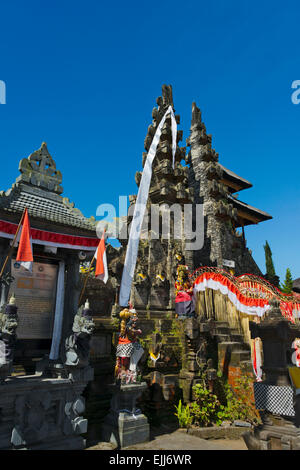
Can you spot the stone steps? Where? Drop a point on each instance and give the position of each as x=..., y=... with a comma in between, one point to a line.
x=221, y=331
x=171, y=340
x=161, y=315
x=237, y=337
x=222, y=338
x=143, y=315
x=237, y=357
x=238, y=350
x=221, y=324
x=234, y=346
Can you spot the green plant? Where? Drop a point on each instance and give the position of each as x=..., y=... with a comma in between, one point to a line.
x=206, y=407
x=232, y=410
x=183, y=414
x=239, y=403
x=115, y=323
x=226, y=404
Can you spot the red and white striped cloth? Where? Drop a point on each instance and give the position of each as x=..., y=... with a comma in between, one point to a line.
x=215, y=281
x=43, y=237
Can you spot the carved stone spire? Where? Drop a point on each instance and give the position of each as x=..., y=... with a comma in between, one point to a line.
x=205, y=177
x=39, y=169
x=154, y=279
x=168, y=185
x=199, y=139
x=208, y=178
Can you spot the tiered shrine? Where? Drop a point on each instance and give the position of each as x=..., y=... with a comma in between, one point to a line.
x=44, y=338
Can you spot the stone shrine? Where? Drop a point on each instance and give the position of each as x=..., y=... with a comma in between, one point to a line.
x=44, y=338
x=277, y=396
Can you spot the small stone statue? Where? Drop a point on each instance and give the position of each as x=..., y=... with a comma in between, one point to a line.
x=211, y=375
x=129, y=350
x=5, y=281
x=8, y=336
x=78, y=343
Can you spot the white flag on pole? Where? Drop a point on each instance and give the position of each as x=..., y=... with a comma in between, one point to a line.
x=140, y=206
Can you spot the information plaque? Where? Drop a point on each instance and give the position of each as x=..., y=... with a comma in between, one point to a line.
x=35, y=297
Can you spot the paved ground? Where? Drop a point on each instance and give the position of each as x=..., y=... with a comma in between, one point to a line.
x=181, y=441
x=178, y=440
x=169, y=437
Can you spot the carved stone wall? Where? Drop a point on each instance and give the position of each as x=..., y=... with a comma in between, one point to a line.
x=42, y=413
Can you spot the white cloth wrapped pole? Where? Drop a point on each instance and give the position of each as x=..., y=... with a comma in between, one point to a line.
x=59, y=312
x=136, y=355
x=140, y=207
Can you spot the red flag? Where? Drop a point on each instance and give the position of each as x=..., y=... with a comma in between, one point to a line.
x=101, y=271
x=24, y=255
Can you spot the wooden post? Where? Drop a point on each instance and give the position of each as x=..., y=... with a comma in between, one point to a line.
x=86, y=279
x=89, y=270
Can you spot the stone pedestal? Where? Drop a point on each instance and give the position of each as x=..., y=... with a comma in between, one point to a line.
x=276, y=433
x=276, y=397
x=43, y=413
x=125, y=425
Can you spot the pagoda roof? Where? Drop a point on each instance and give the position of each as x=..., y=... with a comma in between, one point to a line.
x=233, y=181
x=248, y=215
x=38, y=189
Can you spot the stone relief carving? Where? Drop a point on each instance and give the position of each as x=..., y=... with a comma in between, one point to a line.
x=39, y=169
x=8, y=336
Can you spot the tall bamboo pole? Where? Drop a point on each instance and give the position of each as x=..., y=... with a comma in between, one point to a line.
x=86, y=279
x=89, y=270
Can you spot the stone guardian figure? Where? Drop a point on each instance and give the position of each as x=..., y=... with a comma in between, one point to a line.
x=8, y=337
x=78, y=343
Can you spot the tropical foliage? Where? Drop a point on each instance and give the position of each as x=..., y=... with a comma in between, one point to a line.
x=226, y=404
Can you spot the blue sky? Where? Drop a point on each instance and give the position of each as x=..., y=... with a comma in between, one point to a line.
x=84, y=76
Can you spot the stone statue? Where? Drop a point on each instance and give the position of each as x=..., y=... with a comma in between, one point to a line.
x=8, y=336
x=129, y=350
x=5, y=281
x=78, y=343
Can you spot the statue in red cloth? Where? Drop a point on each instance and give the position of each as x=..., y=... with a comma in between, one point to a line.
x=184, y=301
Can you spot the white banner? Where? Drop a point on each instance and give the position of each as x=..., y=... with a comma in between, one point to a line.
x=59, y=312
x=139, y=210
